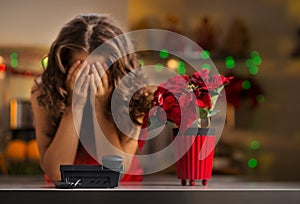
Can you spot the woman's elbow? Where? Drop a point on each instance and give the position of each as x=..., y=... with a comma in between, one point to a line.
x=53, y=176
x=53, y=173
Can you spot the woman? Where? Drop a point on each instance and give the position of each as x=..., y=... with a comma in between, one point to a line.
x=52, y=94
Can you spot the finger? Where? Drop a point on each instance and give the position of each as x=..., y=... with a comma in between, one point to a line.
x=82, y=76
x=92, y=84
x=77, y=72
x=72, y=75
x=101, y=70
x=85, y=85
x=100, y=88
x=96, y=75
x=74, y=67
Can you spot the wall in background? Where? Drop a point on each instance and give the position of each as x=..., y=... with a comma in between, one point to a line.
x=266, y=19
x=37, y=23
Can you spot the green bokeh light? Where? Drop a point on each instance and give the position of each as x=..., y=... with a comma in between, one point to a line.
x=14, y=59
x=14, y=63
x=205, y=54
x=260, y=98
x=141, y=62
x=163, y=53
x=246, y=84
x=45, y=62
x=181, y=68
x=249, y=63
x=254, y=145
x=257, y=60
x=206, y=66
x=13, y=55
x=253, y=70
x=252, y=163
x=229, y=62
x=158, y=67
x=254, y=53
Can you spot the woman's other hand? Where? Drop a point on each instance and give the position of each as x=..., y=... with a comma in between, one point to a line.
x=100, y=86
x=77, y=83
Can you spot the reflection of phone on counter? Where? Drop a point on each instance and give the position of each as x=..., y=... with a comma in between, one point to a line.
x=106, y=175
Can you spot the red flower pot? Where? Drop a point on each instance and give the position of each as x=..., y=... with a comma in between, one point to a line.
x=195, y=148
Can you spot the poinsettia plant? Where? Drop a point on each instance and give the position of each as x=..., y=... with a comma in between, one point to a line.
x=183, y=99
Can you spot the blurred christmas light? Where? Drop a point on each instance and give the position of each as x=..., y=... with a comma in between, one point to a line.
x=173, y=64
x=181, y=68
x=254, y=53
x=256, y=57
x=205, y=54
x=229, y=62
x=14, y=63
x=158, y=67
x=253, y=62
x=260, y=98
x=163, y=53
x=2, y=67
x=253, y=70
x=14, y=59
x=257, y=60
x=44, y=62
x=206, y=66
x=246, y=84
x=252, y=163
x=2, y=71
x=13, y=55
x=1, y=59
x=249, y=63
x=254, y=145
x=141, y=62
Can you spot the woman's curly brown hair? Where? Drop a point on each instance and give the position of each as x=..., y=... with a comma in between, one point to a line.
x=86, y=33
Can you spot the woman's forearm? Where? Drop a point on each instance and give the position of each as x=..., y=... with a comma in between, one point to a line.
x=63, y=148
x=125, y=145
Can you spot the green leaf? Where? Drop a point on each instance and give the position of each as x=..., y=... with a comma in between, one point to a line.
x=203, y=113
x=212, y=112
x=214, y=94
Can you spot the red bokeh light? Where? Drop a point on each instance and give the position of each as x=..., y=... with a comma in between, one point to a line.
x=2, y=67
